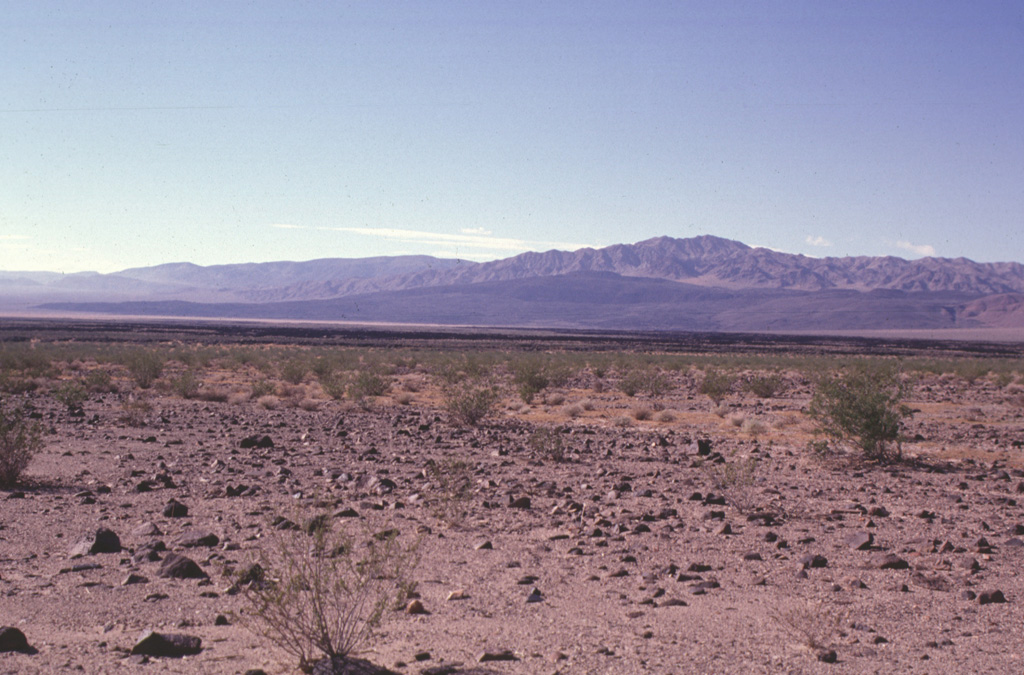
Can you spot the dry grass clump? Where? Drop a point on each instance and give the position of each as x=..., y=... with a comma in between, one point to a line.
x=721, y=410
x=641, y=413
x=309, y=404
x=622, y=421
x=753, y=427
x=665, y=416
x=588, y=405
x=736, y=419
x=554, y=399
x=269, y=402
x=573, y=411
x=404, y=398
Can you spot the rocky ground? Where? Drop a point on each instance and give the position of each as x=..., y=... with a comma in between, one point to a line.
x=695, y=544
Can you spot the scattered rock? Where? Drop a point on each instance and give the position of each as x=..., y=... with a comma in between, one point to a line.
x=13, y=640
x=504, y=655
x=176, y=566
x=173, y=645
x=991, y=597
x=103, y=541
x=175, y=509
x=860, y=541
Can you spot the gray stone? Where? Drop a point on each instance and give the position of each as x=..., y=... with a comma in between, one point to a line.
x=177, y=566
x=13, y=640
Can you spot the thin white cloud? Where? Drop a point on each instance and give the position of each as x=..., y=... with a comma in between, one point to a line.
x=916, y=249
x=818, y=241
x=473, y=239
x=479, y=231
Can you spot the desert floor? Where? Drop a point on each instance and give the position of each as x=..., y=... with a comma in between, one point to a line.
x=640, y=550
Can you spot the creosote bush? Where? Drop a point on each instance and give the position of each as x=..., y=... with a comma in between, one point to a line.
x=470, y=402
x=145, y=366
x=320, y=593
x=19, y=441
x=716, y=385
x=863, y=408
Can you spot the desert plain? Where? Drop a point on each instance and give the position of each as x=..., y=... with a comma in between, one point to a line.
x=615, y=514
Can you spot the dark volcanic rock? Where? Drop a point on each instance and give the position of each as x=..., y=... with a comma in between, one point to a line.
x=175, y=509
x=177, y=566
x=13, y=640
x=103, y=541
x=167, y=644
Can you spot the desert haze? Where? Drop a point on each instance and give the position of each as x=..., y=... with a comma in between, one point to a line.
x=699, y=284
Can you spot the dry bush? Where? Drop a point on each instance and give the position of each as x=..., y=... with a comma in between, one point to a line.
x=736, y=419
x=816, y=625
x=262, y=387
x=753, y=427
x=554, y=399
x=622, y=421
x=716, y=385
x=588, y=405
x=214, y=394
x=19, y=441
x=641, y=413
x=269, y=402
x=403, y=398
x=309, y=404
x=238, y=397
x=320, y=593
x=134, y=412
x=665, y=416
x=721, y=410
x=573, y=410
x=547, y=443
x=452, y=480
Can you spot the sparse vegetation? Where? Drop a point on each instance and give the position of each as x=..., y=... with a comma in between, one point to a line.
x=716, y=385
x=144, y=366
x=865, y=408
x=320, y=593
x=470, y=402
x=453, y=484
x=19, y=442
x=547, y=443
x=71, y=394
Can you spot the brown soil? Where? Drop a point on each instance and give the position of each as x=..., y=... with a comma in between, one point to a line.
x=625, y=537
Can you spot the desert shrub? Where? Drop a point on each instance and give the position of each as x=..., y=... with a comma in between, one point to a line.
x=19, y=441
x=186, y=385
x=71, y=394
x=864, y=408
x=11, y=383
x=587, y=404
x=134, y=412
x=641, y=413
x=665, y=416
x=529, y=378
x=763, y=386
x=320, y=593
x=554, y=399
x=98, y=381
x=650, y=381
x=452, y=480
x=261, y=388
x=573, y=410
x=721, y=410
x=470, y=402
x=622, y=421
x=294, y=370
x=753, y=427
x=214, y=394
x=368, y=382
x=736, y=480
x=547, y=443
x=403, y=398
x=144, y=366
x=269, y=402
x=716, y=385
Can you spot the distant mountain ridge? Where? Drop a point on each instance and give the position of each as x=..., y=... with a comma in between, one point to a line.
x=650, y=284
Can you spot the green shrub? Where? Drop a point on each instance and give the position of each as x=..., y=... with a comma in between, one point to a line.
x=98, y=381
x=763, y=386
x=650, y=381
x=19, y=441
x=470, y=402
x=716, y=385
x=144, y=366
x=320, y=593
x=368, y=382
x=864, y=408
x=71, y=394
x=294, y=370
x=186, y=385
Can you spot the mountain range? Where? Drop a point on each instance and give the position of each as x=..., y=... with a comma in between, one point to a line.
x=702, y=283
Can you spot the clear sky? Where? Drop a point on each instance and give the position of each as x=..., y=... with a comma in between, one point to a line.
x=136, y=133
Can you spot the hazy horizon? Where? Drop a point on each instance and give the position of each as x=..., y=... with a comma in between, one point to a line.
x=147, y=133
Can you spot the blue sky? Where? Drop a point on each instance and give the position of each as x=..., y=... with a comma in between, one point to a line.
x=139, y=133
